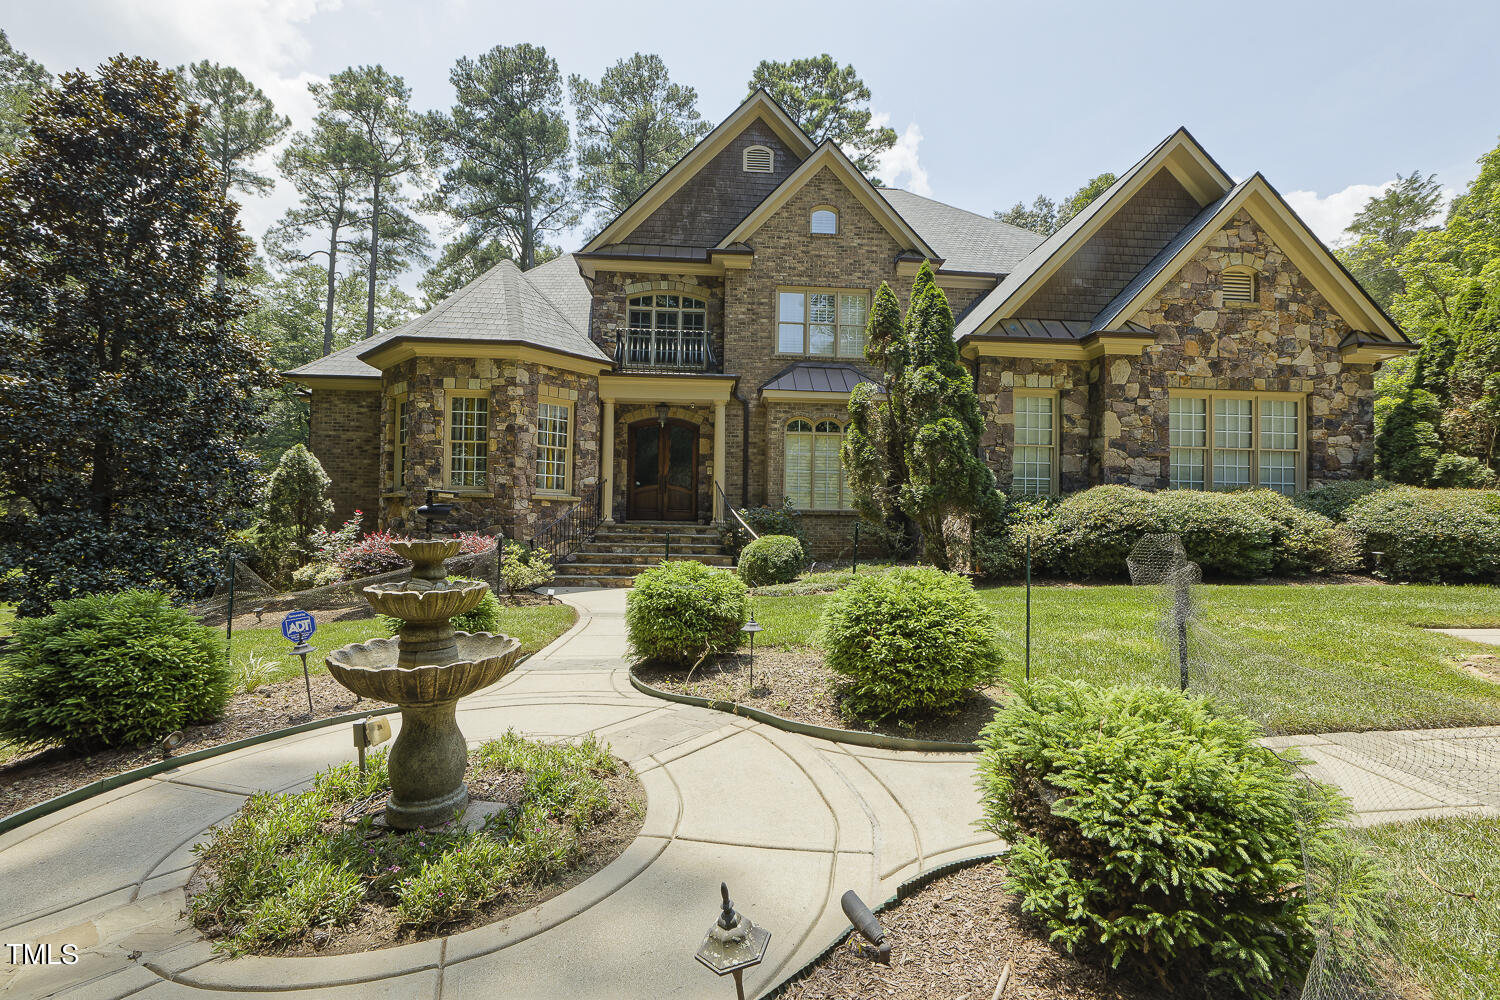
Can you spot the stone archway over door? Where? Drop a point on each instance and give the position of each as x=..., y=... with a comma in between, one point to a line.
x=663, y=471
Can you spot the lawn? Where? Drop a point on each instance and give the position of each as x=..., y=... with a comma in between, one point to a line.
x=1313, y=658
x=1447, y=877
x=535, y=625
x=7, y=615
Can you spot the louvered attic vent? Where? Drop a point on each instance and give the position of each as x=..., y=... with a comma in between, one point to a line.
x=1239, y=286
x=759, y=160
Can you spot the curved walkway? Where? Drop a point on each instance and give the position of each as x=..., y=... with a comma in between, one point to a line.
x=789, y=822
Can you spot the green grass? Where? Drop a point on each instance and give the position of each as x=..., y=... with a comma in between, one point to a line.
x=824, y=582
x=7, y=615
x=1314, y=658
x=1448, y=940
x=535, y=625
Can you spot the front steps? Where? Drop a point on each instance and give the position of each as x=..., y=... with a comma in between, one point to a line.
x=619, y=552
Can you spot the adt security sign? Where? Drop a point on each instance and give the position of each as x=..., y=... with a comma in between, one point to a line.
x=298, y=626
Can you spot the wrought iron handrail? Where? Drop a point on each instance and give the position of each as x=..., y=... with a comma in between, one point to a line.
x=622, y=358
x=563, y=533
x=738, y=524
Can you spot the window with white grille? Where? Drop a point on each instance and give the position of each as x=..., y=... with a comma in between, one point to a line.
x=403, y=424
x=1036, y=439
x=821, y=322
x=1235, y=442
x=553, y=437
x=759, y=160
x=814, y=474
x=1239, y=285
x=468, y=442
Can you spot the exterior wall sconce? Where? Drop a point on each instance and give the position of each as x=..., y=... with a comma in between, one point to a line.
x=662, y=409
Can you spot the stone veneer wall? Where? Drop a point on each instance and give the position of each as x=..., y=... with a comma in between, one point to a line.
x=344, y=434
x=510, y=504
x=1285, y=342
x=1070, y=380
x=627, y=414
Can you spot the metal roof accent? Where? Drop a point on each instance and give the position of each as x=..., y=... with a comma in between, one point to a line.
x=817, y=376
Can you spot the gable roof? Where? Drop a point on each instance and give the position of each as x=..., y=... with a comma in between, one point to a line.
x=967, y=241
x=546, y=307
x=758, y=105
x=1257, y=197
x=1179, y=153
x=829, y=155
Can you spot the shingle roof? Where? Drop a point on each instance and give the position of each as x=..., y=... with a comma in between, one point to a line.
x=546, y=307
x=965, y=240
x=815, y=376
x=1111, y=312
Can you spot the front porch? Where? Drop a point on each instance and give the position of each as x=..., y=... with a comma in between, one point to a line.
x=663, y=446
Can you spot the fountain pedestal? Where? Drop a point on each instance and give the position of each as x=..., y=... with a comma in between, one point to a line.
x=424, y=671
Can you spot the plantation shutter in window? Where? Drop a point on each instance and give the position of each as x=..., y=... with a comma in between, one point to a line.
x=827, y=470
x=799, y=463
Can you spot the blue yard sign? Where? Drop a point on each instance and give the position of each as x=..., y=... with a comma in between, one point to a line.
x=298, y=626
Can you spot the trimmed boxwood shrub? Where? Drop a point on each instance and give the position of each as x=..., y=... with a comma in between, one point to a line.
x=1220, y=531
x=912, y=641
x=678, y=611
x=108, y=671
x=771, y=559
x=1146, y=824
x=1430, y=535
x=484, y=618
x=1333, y=500
x=1092, y=532
x=1302, y=541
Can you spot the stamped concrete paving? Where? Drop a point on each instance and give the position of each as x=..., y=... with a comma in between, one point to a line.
x=789, y=822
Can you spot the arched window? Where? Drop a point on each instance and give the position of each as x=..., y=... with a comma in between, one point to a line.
x=1239, y=284
x=759, y=160
x=667, y=330
x=814, y=475
x=825, y=222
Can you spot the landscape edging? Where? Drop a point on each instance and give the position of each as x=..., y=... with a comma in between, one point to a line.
x=52, y=805
x=851, y=736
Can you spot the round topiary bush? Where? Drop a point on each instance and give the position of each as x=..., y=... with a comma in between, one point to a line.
x=680, y=610
x=912, y=641
x=110, y=671
x=771, y=559
x=1435, y=536
x=484, y=618
x=1145, y=824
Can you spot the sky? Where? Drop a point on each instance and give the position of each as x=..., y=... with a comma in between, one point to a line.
x=994, y=102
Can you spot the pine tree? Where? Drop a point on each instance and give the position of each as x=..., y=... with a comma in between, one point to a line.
x=916, y=451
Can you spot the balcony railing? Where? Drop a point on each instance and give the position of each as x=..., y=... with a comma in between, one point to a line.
x=665, y=350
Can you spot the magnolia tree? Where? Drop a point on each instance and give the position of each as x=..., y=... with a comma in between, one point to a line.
x=912, y=452
x=127, y=386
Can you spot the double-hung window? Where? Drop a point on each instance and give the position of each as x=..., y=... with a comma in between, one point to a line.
x=1236, y=442
x=553, y=440
x=830, y=323
x=403, y=424
x=468, y=442
x=814, y=478
x=1034, y=462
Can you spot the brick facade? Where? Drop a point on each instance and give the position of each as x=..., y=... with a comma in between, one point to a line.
x=344, y=433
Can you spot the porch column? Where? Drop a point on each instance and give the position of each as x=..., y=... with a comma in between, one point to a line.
x=718, y=506
x=607, y=461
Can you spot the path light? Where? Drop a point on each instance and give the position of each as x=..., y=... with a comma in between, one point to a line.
x=259, y=613
x=551, y=596
x=751, y=627
x=733, y=944
x=869, y=928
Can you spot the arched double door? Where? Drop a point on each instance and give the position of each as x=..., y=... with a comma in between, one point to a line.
x=662, y=466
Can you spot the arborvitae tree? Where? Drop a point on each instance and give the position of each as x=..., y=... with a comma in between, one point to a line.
x=930, y=416
x=632, y=125
x=297, y=501
x=1407, y=445
x=508, y=146
x=127, y=385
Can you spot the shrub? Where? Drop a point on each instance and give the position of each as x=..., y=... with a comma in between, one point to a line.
x=1333, y=499
x=316, y=574
x=1407, y=444
x=369, y=556
x=523, y=568
x=912, y=641
x=1093, y=531
x=109, y=671
x=1462, y=472
x=1431, y=535
x=679, y=611
x=1302, y=541
x=783, y=520
x=771, y=559
x=1144, y=823
x=297, y=502
x=484, y=618
x=1220, y=531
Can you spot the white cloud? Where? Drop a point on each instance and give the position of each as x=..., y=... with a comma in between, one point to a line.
x=899, y=165
x=1330, y=215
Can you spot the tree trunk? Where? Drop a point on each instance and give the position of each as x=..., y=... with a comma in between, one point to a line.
x=333, y=266
x=528, y=235
x=374, y=256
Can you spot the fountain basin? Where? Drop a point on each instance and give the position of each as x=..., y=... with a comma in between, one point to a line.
x=423, y=601
x=369, y=669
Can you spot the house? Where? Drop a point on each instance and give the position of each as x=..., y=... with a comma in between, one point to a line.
x=1183, y=331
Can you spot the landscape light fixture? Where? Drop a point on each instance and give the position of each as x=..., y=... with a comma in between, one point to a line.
x=869, y=928
x=733, y=944
x=259, y=613
x=432, y=510
x=750, y=628
x=171, y=742
x=551, y=596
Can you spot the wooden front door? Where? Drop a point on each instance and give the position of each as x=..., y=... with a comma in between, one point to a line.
x=663, y=471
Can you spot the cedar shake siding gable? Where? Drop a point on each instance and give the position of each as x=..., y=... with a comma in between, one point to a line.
x=714, y=200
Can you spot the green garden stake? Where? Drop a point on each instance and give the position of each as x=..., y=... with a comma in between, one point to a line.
x=1028, y=609
x=856, y=548
x=229, y=613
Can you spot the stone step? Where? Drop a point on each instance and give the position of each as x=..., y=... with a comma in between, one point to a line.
x=661, y=528
x=584, y=557
x=645, y=548
x=571, y=580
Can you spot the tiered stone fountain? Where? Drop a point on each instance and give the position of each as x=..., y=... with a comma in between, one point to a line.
x=424, y=670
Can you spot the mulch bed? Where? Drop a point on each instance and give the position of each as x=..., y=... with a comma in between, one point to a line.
x=796, y=685
x=375, y=926
x=36, y=777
